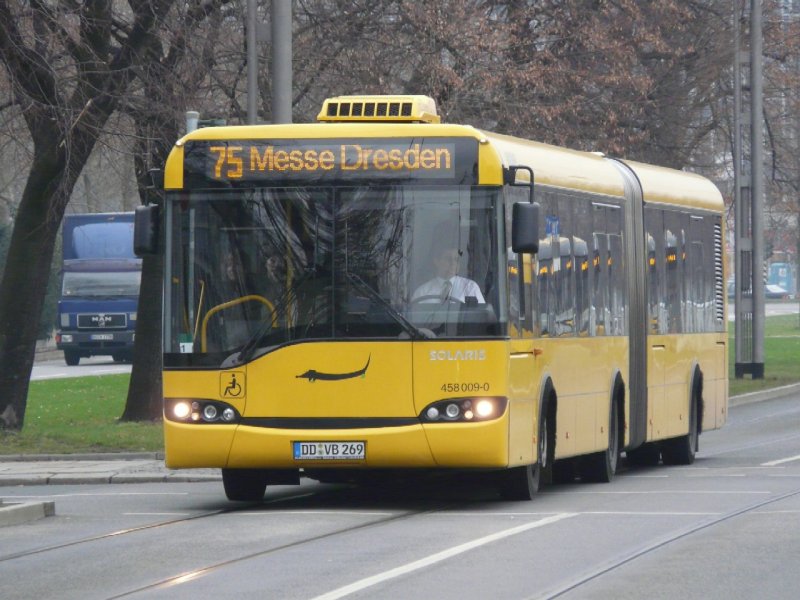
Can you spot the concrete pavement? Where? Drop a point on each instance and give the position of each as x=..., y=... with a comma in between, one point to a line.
x=82, y=469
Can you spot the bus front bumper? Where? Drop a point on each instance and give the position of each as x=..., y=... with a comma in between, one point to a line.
x=440, y=445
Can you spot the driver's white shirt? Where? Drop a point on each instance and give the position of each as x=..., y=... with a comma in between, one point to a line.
x=461, y=287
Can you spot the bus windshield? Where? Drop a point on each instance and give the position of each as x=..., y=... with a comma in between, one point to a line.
x=252, y=269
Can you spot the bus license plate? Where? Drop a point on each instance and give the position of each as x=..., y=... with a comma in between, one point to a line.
x=330, y=450
x=102, y=336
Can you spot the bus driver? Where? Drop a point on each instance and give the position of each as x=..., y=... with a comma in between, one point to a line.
x=446, y=285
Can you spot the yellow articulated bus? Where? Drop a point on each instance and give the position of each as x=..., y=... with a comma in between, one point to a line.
x=382, y=291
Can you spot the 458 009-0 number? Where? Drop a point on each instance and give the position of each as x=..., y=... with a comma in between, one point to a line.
x=470, y=386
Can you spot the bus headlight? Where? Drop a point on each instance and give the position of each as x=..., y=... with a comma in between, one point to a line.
x=181, y=410
x=464, y=410
x=484, y=408
x=199, y=411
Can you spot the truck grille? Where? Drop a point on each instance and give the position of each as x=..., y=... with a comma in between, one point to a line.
x=102, y=321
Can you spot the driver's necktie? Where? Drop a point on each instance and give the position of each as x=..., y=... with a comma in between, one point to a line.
x=446, y=289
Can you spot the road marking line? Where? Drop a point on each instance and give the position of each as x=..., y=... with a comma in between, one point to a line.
x=661, y=492
x=650, y=514
x=278, y=513
x=438, y=557
x=156, y=514
x=780, y=461
x=710, y=475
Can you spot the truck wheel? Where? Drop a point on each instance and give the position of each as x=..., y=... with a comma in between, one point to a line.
x=71, y=357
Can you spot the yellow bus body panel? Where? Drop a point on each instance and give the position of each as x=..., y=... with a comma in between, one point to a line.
x=670, y=364
x=189, y=446
x=582, y=371
x=291, y=381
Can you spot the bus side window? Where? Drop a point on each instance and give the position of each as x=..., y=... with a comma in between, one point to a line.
x=600, y=268
x=654, y=225
x=584, y=271
x=697, y=275
x=566, y=271
x=674, y=276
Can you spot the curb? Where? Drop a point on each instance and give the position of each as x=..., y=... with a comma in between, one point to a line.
x=16, y=513
x=770, y=394
x=120, y=456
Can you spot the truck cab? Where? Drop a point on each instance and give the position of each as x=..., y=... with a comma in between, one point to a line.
x=100, y=280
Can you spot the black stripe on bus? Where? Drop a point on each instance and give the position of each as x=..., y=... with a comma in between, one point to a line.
x=328, y=423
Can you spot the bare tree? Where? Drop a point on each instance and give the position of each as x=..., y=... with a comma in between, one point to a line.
x=69, y=66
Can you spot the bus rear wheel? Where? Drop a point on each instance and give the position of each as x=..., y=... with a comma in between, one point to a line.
x=601, y=466
x=244, y=485
x=682, y=450
x=72, y=358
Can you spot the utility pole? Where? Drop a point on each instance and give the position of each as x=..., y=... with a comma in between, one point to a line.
x=281, y=41
x=281, y=61
x=749, y=194
x=252, y=60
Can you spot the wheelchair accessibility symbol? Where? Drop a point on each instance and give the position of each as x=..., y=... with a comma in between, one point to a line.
x=232, y=384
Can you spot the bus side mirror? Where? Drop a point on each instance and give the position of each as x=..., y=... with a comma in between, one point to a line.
x=146, y=230
x=525, y=227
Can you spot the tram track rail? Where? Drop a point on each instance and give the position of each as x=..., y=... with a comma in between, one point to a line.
x=655, y=546
x=168, y=582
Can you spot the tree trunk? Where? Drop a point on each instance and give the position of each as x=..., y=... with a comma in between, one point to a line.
x=23, y=288
x=145, y=394
x=144, y=391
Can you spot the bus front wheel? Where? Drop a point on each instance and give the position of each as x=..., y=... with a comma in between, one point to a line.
x=244, y=485
x=522, y=483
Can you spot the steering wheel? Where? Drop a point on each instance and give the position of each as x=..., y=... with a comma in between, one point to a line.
x=436, y=299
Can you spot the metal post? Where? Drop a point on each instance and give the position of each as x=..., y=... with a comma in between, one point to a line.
x=281, y=61
x=741, y=340
x=252, y=61
x=192, y=119
x=757, y=205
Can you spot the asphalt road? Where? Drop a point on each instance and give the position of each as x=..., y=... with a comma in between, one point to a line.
x=727, y=527
x=56, y=368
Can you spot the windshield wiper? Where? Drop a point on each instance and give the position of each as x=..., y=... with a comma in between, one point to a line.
x=415, y=332
x=252, y=344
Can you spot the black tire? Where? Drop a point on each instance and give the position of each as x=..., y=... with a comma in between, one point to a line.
x=682, y=450
x=244, y=485
x=522, y=483
x=601, y=467
x=72, y=358
x=646, y=455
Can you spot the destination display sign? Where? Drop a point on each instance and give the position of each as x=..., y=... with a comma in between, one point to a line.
x=451, y=160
